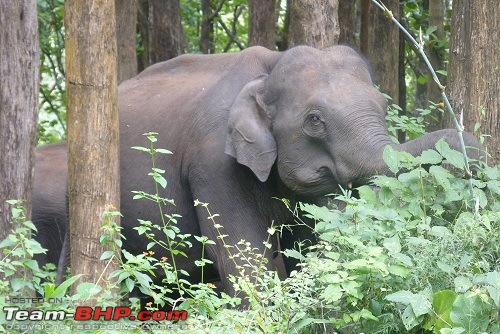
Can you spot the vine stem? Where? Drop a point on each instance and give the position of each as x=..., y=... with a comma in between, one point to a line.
x=458, y=126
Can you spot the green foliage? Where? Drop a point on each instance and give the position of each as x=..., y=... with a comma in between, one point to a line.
x=412, y=127
x=52, y=114
x=415, y=16
x=410, y=254
x=230, y=25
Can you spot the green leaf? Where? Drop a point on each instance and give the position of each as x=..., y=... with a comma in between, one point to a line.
x=386, y=195
x=452, y=157
x=410, y=320
x=442, y=304
x=440, y=232
x=129, y=283
x=163, y=151
x=332, y=293
x=446, y=267
x=422, y=79
x=430, y=157
x=60, y=291
x=471, y=313
x=419, y=303
x=316, y=212
x=493, y=281
x=462, y=284
x=391, y=159
x=142, y=279
x=292, y=253
x=11, y=240
x=140, y=148
x=393, y=244
x=441, y=176
x=106, y=255
x=86, y=290
x=398, y=270
x=454, y=330
x=366, y=193
x=160, y=180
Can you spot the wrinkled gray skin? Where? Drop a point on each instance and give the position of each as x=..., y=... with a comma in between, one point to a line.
x=244, y=128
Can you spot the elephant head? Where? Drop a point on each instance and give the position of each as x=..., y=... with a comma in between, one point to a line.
x=317, y=116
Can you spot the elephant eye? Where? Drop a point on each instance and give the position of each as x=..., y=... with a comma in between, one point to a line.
x=315, y=119
x=314, y=126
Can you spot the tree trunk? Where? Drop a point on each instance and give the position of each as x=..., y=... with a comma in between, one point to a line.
x=473, y=75
x=436, y=52
x=313, y=22
x=93, y=140
x=166, y=37
x=126, y=21
x=380, y=44
x=207, y=28
x=143, y=32
x=347, y=22
x=262, y=23
x=19, y=72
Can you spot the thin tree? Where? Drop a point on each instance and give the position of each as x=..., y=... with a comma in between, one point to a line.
x=207, y=27
x=93, y=140
x=161, y=32
x=347, y=22
x=262, y=23
x=427, y=90
x=126, y=20
x=312, y=22
x=474, y=69
x=19, y=73
x=166, y=37
x=380, y=44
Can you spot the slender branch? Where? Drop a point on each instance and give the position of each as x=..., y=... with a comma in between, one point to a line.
x=216, y=10
x=420, y=48
x=231, y=35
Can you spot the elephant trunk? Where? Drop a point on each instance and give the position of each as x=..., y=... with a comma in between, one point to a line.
x=377, y=166
x=417, y=146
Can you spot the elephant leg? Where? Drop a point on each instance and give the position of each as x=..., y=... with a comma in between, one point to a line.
x=231, y=256
x=64, y=259
x=244, y=211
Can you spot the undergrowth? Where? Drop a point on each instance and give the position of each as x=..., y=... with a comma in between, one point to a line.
x=409, y=253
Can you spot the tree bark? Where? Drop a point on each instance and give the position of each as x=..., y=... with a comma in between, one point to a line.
x=166, y=37
x=380, y=44
x=93, y=140
x=19, y=73
x=126, y=21
x=143, y=32
x=207, y=28
x=160, y=28
x=435, y=53
x=262, y=23
x=347, y=22
x=313, y=22
x=473, y=75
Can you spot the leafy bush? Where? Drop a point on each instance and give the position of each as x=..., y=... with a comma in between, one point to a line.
x=410, y=253
x=414, y=253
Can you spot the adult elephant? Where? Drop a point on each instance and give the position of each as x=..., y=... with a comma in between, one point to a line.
x=244, y=128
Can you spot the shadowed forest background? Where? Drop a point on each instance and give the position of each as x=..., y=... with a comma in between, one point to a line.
x=152, y=31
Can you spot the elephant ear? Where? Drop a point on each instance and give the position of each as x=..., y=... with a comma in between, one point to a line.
x=249, y=137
